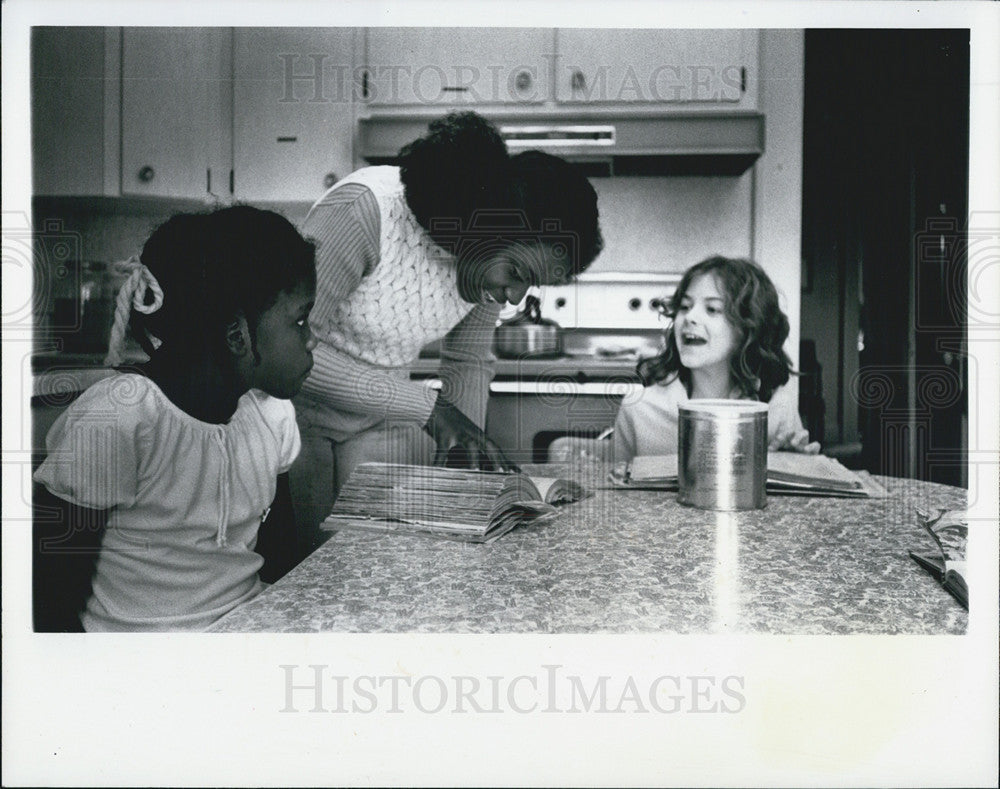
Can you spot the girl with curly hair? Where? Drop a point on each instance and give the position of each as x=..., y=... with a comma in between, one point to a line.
x=426, y=251
x=725, y=341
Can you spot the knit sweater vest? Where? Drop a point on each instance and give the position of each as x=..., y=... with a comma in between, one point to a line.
x=410, y=298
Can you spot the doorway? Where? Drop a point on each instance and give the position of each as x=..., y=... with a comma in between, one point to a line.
x=885, y=201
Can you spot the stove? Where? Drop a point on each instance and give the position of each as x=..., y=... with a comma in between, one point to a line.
x=609, y=320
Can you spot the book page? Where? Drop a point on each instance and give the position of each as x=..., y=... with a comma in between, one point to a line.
x=556, y=491
x=647, y=468
x=809, y=468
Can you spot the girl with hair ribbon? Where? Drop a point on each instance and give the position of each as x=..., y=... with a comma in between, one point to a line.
x=163, y=473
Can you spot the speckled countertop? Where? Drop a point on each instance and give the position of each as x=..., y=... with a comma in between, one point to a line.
x=634, y=561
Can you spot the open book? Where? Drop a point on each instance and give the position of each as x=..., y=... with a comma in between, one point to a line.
x=474, y=506
x=950, y=530
x=788, y=473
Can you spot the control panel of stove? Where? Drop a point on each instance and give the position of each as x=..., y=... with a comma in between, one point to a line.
x=609, y=301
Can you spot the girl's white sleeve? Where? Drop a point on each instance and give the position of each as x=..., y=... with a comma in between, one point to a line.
x=783, y=413
x=279, y=418
x=93, y=450
x=289, y=438
x=624, y=436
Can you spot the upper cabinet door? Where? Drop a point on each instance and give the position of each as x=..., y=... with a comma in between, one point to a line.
x=457, y=66
x=68, y=101
x=176, y=112
x=675, y=67
x=292, y=111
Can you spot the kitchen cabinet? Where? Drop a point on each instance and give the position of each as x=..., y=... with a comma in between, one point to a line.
x=221, y=114
x=176, y=105
x=74, y=123
x=700, y=68
x=457, y=66
x=293, y=117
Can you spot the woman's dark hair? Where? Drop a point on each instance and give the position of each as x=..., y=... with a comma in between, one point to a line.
x=214, y=267
x=464, y=188
x=457, y=170
x=760, y=364
x=559, y=203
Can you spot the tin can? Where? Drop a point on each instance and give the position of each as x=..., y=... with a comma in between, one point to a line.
x=722, y=454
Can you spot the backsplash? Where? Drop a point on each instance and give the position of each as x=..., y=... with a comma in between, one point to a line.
x=97, y=231
x=115, y=228
x=667, y=224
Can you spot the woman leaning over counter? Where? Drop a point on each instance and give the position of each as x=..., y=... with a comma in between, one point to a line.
x=412, y=254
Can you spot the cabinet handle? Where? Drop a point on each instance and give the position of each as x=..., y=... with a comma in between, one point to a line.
x=578, y=81
x=147, y=174
x=522, y=81
x=330, y=179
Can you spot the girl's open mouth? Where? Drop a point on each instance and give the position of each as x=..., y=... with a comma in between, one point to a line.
x=692, y=339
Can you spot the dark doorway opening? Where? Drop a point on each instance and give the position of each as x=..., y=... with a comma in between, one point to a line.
x=885, y=207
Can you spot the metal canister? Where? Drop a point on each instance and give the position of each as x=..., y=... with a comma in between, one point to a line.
x=722, y=454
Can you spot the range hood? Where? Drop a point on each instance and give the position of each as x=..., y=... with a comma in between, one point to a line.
x=690, y=143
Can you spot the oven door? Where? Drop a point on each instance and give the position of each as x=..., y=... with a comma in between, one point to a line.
x=525, y=417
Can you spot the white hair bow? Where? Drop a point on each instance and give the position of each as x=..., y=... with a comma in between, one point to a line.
x=131, y=296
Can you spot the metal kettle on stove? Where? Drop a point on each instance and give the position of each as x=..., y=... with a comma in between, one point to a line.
x=528, y=334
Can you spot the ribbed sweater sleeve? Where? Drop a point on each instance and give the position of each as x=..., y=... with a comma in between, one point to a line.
x=468, y=363
x=345, y=225
x=346, y=384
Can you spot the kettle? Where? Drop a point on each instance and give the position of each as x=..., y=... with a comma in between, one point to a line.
x=528, y=334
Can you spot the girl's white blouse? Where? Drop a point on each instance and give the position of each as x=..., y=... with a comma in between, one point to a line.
x=647, y=424
x=185, y=499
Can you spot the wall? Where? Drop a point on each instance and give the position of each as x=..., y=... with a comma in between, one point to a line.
x=666, y=224
x=777, y=196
